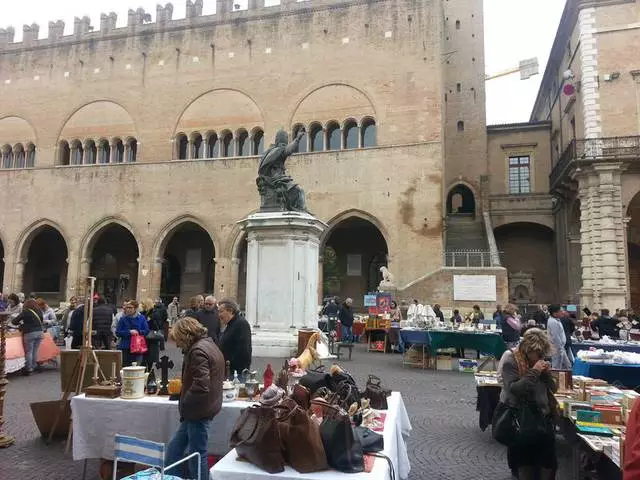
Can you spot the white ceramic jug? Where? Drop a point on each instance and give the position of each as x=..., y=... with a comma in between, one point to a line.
x=134, y=378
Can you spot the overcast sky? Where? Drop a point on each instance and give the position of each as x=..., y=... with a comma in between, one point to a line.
x=514, y=30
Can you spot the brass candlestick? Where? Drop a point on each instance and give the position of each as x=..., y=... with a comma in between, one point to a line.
x=5, y=440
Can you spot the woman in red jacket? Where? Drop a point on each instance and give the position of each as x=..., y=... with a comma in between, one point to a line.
x=632, y=445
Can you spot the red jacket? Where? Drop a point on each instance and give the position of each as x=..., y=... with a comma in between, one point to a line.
x=632, y=445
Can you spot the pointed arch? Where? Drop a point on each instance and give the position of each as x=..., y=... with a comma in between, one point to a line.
x=353, y=213
x=28, y=234
x=92, y=235
x=162, y=239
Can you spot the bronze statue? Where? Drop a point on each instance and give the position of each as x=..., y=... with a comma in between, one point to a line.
x=277, y=189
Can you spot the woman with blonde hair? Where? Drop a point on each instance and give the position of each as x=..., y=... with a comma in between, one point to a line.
x=201, y=396
x=528, y=386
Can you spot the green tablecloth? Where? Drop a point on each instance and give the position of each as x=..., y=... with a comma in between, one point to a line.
x=484, y=342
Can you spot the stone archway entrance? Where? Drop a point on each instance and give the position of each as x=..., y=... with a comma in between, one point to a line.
x=45, y=270
x=461, y=201
x=353, y=252
x=528, y=253
x=188, y=268
x=114, y=263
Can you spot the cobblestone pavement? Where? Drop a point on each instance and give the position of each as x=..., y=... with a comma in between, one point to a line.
x=446, y=443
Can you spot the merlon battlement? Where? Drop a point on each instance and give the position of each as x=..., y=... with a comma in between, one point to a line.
x=141, y=21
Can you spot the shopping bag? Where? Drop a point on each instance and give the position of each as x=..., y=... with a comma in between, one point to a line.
x=138, y=344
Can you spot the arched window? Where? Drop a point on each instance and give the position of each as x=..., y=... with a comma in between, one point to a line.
x=213, y=146
x=226, y=140
x=18, y=156
x=316, y=136
x=197, y=146
x=104, y=151
x=457, y=24
x=242, y=146
x=77, y=152
x=257, y=142
x=31, y=155
x=7, y=157
x=182, y=146
x=90, y=152
x=333, y=136
x=64, y=153
x=118, y=151
x=460, y=126
x=350, y=134
x=132, y=150
x=369, y=133
x=302, y=146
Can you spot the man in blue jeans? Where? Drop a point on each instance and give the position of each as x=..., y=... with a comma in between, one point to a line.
x=346, y=320
x=203, y=370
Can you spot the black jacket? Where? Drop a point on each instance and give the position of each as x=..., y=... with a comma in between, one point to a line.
x=346, y=316
x=29, y=321
x=235, y=343
x=102, y=318
x=211, y=320
x=606, y=325
x=439, y=314
x=157, y=317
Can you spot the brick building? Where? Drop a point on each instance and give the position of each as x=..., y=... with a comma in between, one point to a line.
x=131, y=153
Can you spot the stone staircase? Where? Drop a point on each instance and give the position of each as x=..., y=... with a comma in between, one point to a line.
x=465, y=233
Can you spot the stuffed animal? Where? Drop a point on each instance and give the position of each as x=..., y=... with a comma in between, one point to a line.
x=310, y=354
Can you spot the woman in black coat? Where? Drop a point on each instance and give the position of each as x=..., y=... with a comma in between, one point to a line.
x=30, y=322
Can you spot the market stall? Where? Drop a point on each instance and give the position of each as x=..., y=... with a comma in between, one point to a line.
x=627, y=375
x=613, y=345
x=155, y=418
x=15, y=356
x=396, y=427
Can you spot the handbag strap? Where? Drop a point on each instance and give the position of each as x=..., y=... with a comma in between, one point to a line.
x=392, y=471
x=37, y=316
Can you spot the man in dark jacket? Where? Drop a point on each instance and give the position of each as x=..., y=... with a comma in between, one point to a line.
x=438, y=312
x=606, y=325
x=209, y=318
x=346, y=320
x=201, y=396
x=76, y=326
x=235, y=341
x=102, y=320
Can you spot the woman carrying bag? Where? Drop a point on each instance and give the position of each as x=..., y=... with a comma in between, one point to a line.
x=527, y=408
x=31, y=327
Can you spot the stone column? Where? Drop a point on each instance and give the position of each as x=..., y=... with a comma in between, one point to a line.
x=189, y=149
x=155, y=277
x=81, y=279
x=144, y=289
x=18, y=275
x=222, y=269
x=604, y=281
x=320, y=277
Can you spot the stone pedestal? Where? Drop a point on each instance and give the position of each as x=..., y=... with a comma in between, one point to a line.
x=282, y=279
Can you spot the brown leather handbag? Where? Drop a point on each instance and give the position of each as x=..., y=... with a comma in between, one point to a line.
x=256, y=438
x=302, y=396
x=376, y=394
x=300, y=438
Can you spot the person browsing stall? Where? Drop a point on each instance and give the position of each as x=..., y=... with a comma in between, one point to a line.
x=235, y=341
x=200, y=401
x=129, y=325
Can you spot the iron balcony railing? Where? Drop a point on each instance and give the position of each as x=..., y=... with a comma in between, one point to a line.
x=468, y=258
x=592, y=149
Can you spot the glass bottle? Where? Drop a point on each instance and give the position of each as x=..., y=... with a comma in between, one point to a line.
x=236, y=382
x=152, y=384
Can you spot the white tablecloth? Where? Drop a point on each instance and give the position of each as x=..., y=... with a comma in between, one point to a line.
x=97, y=420
x=397, y=426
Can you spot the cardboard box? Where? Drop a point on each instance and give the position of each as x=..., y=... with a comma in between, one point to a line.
x=444, y=363
x=467, y=366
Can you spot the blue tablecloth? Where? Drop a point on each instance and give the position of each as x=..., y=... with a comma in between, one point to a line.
x=577, y=346
x=415, y=337
x=627, y=375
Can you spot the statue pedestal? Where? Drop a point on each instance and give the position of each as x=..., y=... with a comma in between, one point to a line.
x=282, y=279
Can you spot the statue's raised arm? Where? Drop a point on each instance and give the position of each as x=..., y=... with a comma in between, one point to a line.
x=277, y=190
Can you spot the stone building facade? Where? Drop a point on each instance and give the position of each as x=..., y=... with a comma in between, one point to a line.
x=131, y=153
x=590, y=94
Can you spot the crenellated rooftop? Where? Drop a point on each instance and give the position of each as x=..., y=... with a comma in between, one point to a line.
x=139, y=21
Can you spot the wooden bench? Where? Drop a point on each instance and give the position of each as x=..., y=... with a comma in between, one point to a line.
x=341, y=345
